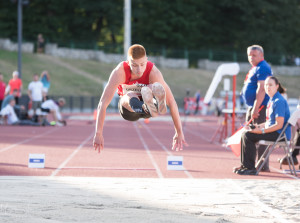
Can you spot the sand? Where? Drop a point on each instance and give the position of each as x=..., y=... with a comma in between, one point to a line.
x=84, y=199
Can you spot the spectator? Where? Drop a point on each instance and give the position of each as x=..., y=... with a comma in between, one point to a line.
x=2, y=89
x=45, y=79
x=277, y=114
x=50, y=106
x=10, y=117
x=35, y=93
x=19, y=109
x=40, y=44
x=253, y=90
x=197, y=97
x=8, y=98
x=15, y=84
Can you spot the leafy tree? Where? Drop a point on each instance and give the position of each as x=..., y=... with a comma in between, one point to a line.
x=178, y=24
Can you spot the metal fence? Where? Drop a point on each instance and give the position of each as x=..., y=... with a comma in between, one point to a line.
x=76, y=104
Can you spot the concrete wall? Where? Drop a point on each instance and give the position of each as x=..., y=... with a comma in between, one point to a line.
x=54, y=50
x=160, y=61
x=8, y=45
x=245, y=67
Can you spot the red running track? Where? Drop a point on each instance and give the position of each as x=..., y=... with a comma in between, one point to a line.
x=132, y=149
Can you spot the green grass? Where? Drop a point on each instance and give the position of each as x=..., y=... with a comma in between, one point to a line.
x=67, y=83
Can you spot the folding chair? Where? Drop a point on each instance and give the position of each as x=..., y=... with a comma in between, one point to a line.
x=295, y=137
x=281, y=141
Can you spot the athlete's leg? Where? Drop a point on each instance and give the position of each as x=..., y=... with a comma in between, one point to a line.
x=132, y=108
x=132, y=103
x=160, y=95
x=148, y=99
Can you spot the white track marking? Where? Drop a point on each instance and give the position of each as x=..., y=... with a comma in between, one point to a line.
x=288, y=174
x=27, y=140
x=158, y=171
x=108, y=168
x=255, y=199
x=63, y=164
x=163, y=147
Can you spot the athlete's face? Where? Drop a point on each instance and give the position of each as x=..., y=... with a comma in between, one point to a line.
x=271, y=87
x=254, y=57
x=138, y=66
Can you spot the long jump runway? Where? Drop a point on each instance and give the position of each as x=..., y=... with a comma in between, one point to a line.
x=129, y=180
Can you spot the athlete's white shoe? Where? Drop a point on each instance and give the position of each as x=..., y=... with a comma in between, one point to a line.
x=147, y=96
x=160, y=95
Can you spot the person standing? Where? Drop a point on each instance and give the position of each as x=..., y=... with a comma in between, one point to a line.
x=35, y=93
x=253, y=90
x=15, y=84
x=2, y=89
x=197, y=97
x=40, y=43
x=45, y=79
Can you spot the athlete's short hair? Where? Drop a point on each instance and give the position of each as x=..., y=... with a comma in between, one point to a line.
x=255, y=47
x=136, y=51
x=62, y=100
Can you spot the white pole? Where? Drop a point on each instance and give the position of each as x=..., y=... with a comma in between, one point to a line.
x=127, y=26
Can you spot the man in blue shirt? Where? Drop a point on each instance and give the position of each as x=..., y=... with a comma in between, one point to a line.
x=253, y=90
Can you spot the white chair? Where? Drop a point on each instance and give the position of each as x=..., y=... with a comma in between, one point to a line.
x=293, y=143
x=282, y=142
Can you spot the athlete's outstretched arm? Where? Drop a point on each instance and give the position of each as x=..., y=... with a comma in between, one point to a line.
x=178, y=139
x=117, y=77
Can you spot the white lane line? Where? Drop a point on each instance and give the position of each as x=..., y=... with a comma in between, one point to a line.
x=63, y=164
x=163, y=147
x=108, y=168
x=28, y=140
x=288, y=173
x=255, y=199
x=158, y=171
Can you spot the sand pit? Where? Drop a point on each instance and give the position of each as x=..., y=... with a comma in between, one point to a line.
x=83, y=199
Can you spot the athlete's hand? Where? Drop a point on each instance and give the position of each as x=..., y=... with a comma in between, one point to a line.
x=178, y=142
x=98, y=142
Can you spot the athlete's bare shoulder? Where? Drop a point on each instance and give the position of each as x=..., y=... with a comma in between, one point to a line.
x=155, y=75
x=118, y=74
x=119, y=68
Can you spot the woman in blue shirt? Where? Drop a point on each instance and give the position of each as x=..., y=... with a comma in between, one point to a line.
x=45, y=79
x=277, y=115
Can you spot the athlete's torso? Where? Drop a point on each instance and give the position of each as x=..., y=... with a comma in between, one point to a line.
x=137, y=84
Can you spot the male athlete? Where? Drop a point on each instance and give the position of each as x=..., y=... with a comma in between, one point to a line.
x=143, y=93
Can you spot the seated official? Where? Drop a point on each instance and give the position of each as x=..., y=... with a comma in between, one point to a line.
x=277, y=115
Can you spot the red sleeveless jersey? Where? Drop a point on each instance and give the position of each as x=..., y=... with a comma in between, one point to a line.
x=135, y=85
